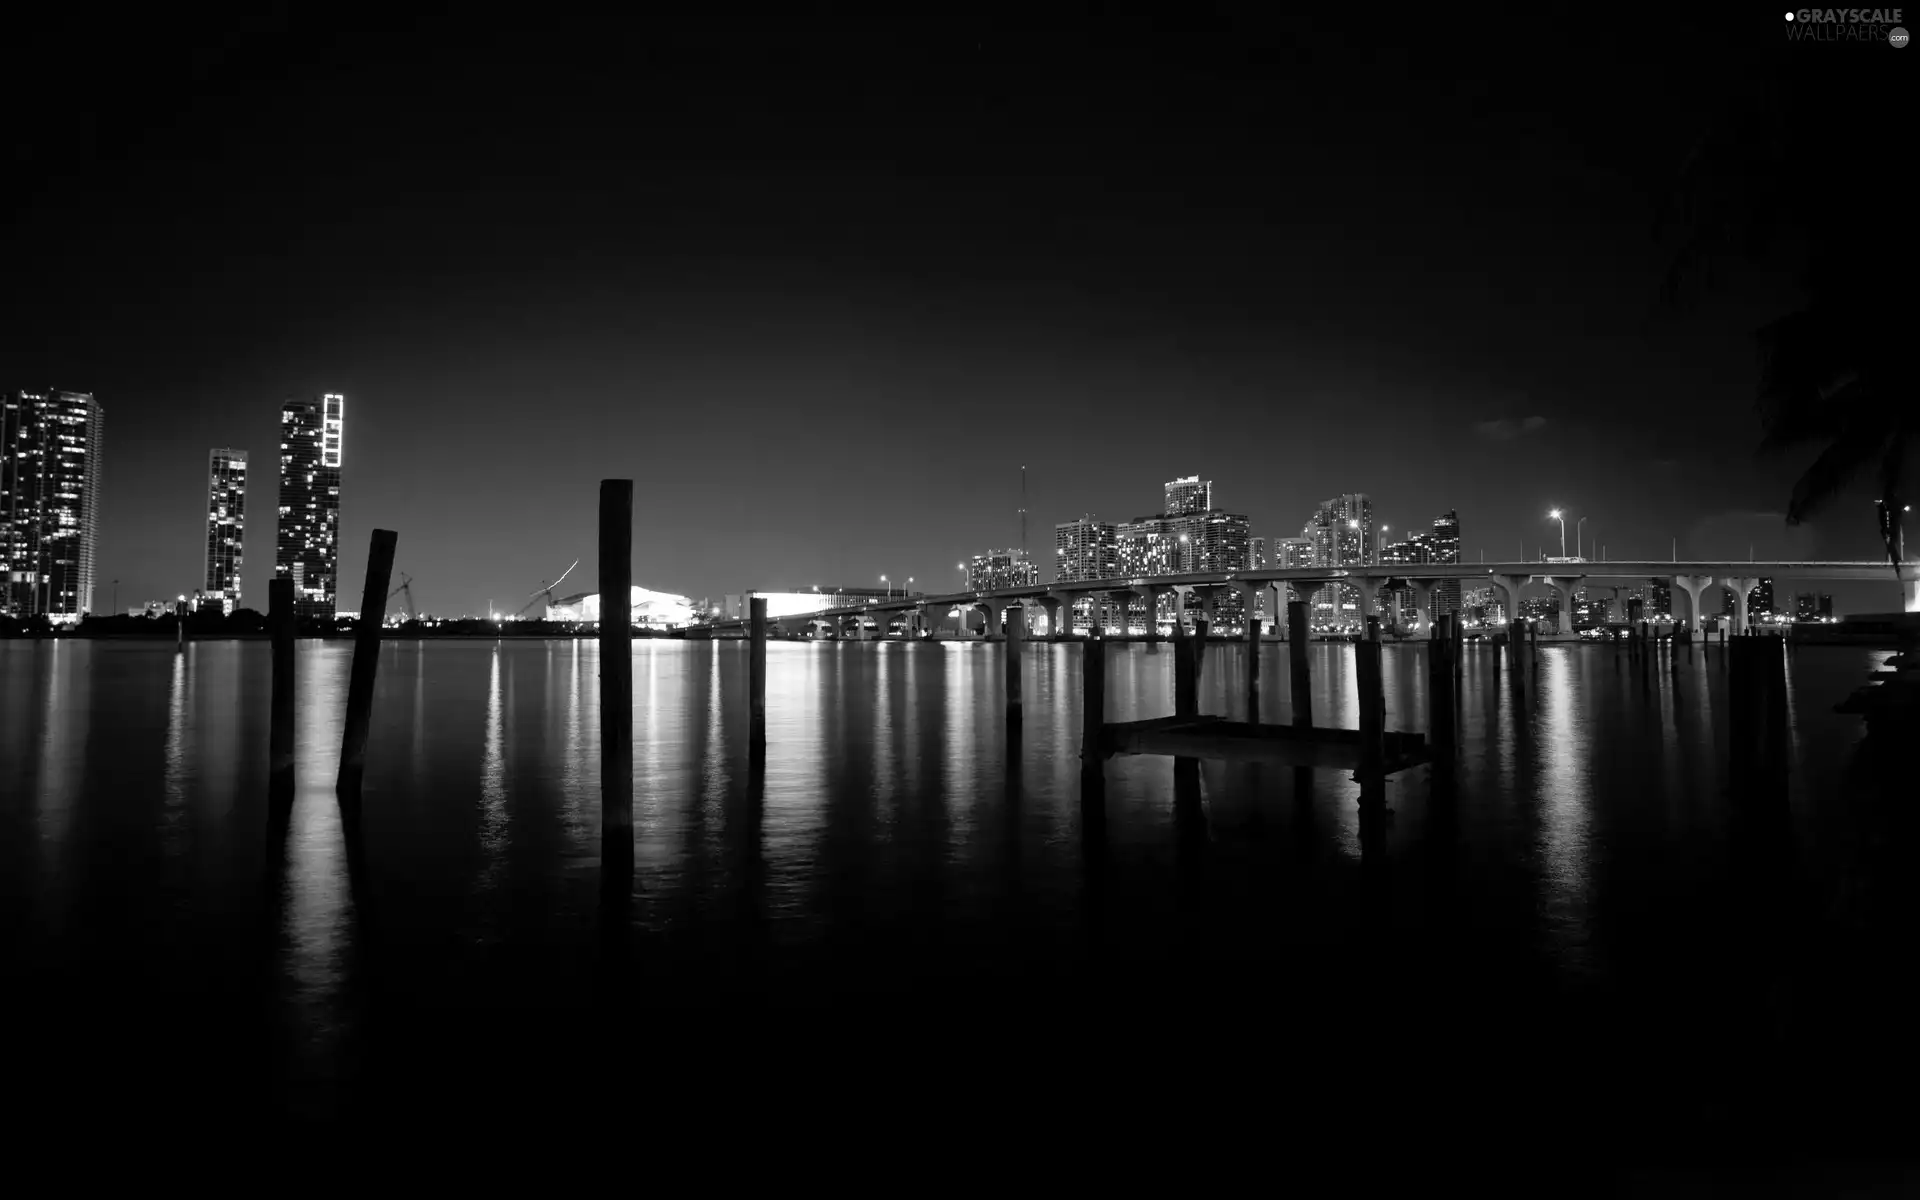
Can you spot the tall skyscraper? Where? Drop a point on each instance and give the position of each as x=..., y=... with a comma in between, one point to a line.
x=1001, y=569
x=1341, y=531
x=1257, y=555
x=50, y=447
x=308, y=540
x=1760, y=599
x=1084, y=549
x=1446, y=549
x=226, y=526
x=1187, y=496
x=1147, y=546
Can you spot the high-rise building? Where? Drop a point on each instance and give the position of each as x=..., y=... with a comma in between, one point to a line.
x=1147, y=546
x=50, y=461
x=1341, y=531
x=307, y=547
x=1760, y=599
x=226, y=526
x=1257, y=554
x=1187, y=496
x=1084, y=549
x=1446, y=549
x=1001, y=569
x=1292, y=552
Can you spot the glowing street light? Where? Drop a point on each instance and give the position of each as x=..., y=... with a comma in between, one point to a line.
x=883, y=579
x=1557, y=515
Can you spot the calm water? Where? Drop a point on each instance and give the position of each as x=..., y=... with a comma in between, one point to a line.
x=900, y=858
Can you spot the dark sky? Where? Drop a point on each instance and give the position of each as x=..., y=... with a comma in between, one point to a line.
x=822, y=296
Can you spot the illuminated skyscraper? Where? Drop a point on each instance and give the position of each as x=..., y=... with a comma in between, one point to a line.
x=50, y=445
x=1446, y=549
x=226, y=525
x=1147, y=546
x=1189, y=495
x=1084, y=549
x=1001, y=569
x=308, y=542
x=1340, y=532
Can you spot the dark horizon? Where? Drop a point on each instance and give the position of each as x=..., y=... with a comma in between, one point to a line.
x=735, y=270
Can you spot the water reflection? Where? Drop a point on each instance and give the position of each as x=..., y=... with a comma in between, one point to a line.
x=1564, y=794
x=173, y=817
x=493, y=785
x=318, y=909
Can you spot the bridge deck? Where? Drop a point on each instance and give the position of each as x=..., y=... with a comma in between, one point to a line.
x=1238, y=741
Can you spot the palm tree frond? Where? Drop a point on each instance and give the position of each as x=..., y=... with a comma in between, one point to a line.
x=1834, y=469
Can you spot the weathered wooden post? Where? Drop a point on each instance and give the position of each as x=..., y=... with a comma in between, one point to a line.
x=179, y=624
x=280, y=618
x=1456, y=646
x=1297, y=663
x=1016, y=641
x=1373, y=629
x=366, y=660
x=1186, y=676
x=1200, y=627
x=1093, y=703
x=616, y=664
x=1440, y=685
x=757, y=672
x=1373, y=721
x=1253, y=669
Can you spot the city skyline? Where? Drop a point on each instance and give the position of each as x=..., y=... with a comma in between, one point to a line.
x=742, y=326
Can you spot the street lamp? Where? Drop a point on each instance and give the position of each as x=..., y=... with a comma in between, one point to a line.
x=883, y=579
x=1557, y=515
x=1579, y=546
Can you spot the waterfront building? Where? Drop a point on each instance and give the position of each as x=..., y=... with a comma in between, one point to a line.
x=1084, y=549
x=226, y=526
x=1446, y=549
x=1257, y=553
x=1001, y=569
x=307, y=547
x=50, y=480
x=1185, y=497
x=1340, y=530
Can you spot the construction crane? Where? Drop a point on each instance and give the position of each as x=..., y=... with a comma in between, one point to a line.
x=405, y=592
x=546, y=590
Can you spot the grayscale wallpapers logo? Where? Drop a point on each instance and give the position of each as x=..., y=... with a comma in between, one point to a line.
x=1847, y=25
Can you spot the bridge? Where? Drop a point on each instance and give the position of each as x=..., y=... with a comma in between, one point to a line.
x=1374, y=582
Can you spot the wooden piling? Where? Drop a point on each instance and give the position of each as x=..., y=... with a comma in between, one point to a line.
x=757, y=670
x=1373, y=629
x=1456, y=645
x=1093, y=701
x=1016, y=640
x=1373, y=709
x=1440, y=685
x=281, y=621
x=616, y=662
x=1253, y=653
x=1297, y=662
x=1186, y=677
x=366, y=660
x=179, y=624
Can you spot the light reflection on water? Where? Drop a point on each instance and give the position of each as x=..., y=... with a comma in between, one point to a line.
x=887, y=801
x=318, y=908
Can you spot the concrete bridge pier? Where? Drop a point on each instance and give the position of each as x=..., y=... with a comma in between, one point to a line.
x=1692, y=585
x=1423, y=605
x=1251, y=597
x=1566, y=585
x=1052, y=608
x=989, y=621
x=1156, y=600
x=1119, y=600
x=1061, y=614
x=1512, y=586
x=1910, y=587
x=1741, y=588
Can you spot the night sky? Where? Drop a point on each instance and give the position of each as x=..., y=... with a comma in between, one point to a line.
x=822, y=297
